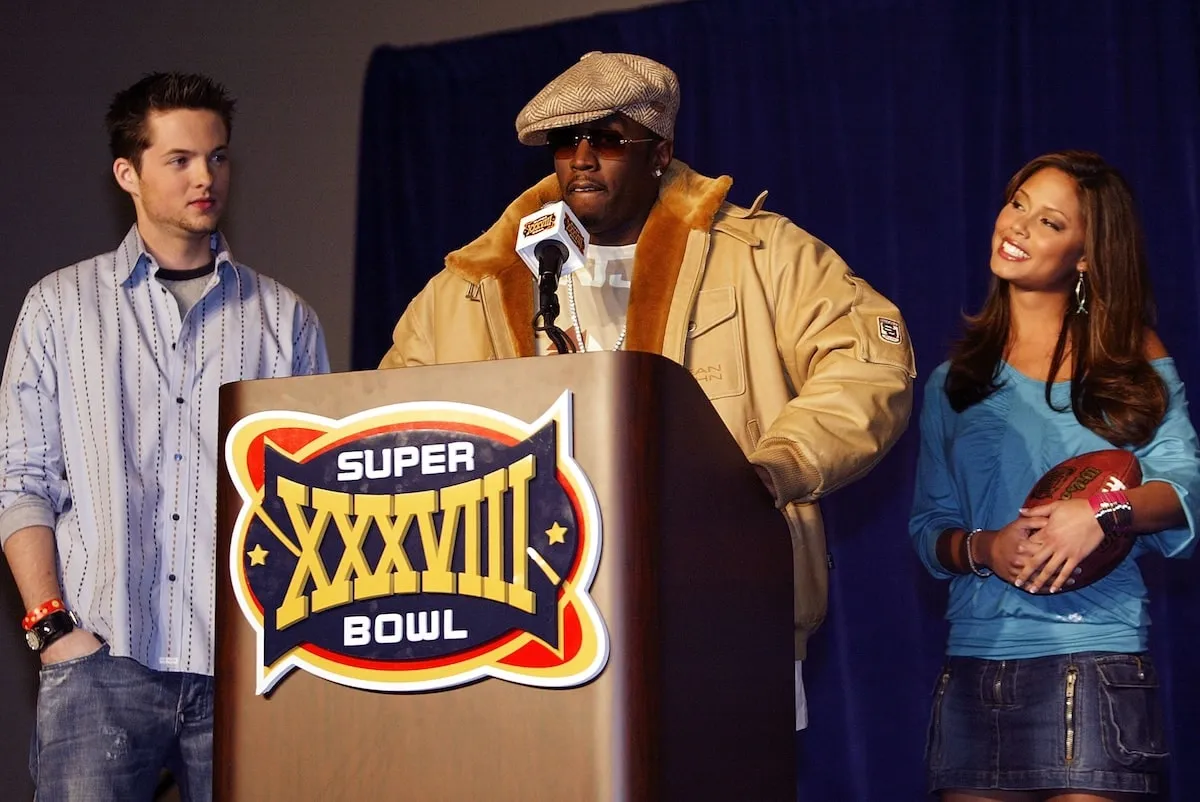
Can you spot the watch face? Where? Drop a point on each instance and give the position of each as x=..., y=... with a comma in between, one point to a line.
x=32, y=639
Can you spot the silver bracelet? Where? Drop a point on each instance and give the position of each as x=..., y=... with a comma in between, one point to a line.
x=976, y=569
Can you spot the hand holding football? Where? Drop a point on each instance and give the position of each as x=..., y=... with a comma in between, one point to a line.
x=1080, y=477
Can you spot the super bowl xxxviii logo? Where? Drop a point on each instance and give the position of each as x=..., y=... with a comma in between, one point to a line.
x=416, y=546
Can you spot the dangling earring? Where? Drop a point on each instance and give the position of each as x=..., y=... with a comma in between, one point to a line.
x=1080, y=296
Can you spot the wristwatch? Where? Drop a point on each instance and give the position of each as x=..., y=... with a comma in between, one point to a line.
x=50, y=629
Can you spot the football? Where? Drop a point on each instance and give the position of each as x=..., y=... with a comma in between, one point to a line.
x=1080, y=477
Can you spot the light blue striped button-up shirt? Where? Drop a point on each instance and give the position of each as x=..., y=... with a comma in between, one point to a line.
x=109, y=417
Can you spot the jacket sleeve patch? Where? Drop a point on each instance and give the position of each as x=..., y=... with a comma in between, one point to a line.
x=890, y=331
x=882, y=335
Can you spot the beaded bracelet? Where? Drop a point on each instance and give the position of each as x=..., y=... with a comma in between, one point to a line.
x=976, y=568
x=1113, y=511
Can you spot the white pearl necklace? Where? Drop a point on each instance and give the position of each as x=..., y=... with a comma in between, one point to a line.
x=575, y=319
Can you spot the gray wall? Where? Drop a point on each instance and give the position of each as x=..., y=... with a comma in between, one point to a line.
x=297, y=70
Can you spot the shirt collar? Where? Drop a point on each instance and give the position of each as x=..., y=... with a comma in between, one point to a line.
x=133, y=258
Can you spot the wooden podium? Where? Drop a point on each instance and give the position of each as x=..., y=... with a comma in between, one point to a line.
x=694, y=586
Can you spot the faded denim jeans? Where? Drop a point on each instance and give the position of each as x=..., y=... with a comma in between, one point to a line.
x=107, y=726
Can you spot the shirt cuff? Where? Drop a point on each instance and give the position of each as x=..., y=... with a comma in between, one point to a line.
x=26, y=511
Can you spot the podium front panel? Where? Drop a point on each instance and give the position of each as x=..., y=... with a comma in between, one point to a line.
x=678, y=711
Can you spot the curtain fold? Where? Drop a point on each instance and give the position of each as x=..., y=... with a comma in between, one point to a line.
x=888, y=128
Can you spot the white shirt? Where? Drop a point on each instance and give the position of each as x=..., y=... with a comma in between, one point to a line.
x=601, y=290
x=109, y=422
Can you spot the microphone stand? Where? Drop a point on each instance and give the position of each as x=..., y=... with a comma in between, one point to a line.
x=550, y=259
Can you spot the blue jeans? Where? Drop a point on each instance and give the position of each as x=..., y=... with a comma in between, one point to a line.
x=107, y=726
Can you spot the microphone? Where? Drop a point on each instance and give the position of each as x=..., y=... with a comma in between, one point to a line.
x=556, y=223
x=553, y=243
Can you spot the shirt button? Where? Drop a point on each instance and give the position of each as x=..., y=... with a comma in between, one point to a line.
x=178, y=457
x=172, y=346
x=174, y=516
x=171, y=577
x=179, y=400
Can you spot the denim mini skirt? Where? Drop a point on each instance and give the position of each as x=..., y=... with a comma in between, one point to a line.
x=1087, y=721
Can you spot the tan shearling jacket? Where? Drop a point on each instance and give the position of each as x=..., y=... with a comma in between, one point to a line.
x=809, y=367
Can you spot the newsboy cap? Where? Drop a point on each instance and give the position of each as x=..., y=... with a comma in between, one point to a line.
x=600, y=84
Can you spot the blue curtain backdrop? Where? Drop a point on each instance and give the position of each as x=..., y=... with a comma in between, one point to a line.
x=888, y=128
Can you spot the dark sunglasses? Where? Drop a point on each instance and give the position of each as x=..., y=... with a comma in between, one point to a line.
x=607, y=144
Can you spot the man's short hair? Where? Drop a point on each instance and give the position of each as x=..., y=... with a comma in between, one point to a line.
x=600, y=85
x=128, y=136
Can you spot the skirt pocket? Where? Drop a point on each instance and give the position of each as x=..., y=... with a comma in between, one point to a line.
x=1131, y=719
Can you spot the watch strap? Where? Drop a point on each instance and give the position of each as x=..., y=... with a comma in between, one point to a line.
x=51, y=628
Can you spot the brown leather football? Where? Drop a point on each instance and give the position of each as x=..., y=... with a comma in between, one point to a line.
x=1081, y=477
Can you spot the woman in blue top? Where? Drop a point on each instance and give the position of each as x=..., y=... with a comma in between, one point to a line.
x=1052, y=697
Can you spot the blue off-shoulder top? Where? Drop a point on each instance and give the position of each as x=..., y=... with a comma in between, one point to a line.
x=975, y=470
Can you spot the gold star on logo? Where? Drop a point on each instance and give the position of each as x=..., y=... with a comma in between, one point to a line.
x=258, y=556
x=556, y=533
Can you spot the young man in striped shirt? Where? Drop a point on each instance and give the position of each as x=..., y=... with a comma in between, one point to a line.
x=108, y=460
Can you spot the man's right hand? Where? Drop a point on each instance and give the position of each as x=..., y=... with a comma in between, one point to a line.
x=76, y=643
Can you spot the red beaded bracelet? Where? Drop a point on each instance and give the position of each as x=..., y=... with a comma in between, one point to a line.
x=1113, y=511
x=41, y=611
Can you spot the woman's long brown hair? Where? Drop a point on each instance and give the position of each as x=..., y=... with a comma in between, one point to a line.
x=1114, y=390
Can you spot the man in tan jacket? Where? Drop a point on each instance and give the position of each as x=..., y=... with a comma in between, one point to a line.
x=809, y=367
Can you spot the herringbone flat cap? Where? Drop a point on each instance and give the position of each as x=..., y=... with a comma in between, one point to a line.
x=600, y=84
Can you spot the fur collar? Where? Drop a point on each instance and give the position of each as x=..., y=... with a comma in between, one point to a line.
x=687, y=201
